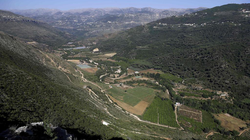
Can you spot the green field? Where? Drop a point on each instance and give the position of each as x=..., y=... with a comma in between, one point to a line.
x=189, y=94
x=208, y=123
x=171, y=77
x=197, y=93
x=131, y=96
x=164, y=109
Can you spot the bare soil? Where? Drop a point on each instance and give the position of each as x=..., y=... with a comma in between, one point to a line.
x=135, y=79
x=229, y=122
x=190, y=113
x=150, y=71
x=74, y=61
x=91, y=70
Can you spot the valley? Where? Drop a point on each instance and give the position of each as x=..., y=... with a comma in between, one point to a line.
x=133, y=73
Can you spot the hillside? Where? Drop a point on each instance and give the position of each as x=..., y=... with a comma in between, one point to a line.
x=30, y=29
x=85, y=23
x=212, y=46
x=33, y=90
x=40, y=87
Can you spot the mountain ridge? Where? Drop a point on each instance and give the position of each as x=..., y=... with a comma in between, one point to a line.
x=30, y=29
x=86, y=23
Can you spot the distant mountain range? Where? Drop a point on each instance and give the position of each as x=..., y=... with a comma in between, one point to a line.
x=94, y=22
x=30, y=29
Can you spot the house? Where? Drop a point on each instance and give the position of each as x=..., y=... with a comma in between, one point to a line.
x=177, y=104
x=118, y=71
x=96, y=50
x=224, y=95
x=105, y=123
x=137, y=72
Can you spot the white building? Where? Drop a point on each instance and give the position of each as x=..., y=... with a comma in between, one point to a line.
x=96, y=50
x=105, y=123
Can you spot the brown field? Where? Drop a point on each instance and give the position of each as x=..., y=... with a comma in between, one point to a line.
x=190, y=113
x=229, y=122
x=104, y=57
x=135, y=79
x=149, y=98
x=109, y=54
x=74, y=61
x=151, y=71
x=164, y=94
x=137, y=109
x=79, y=55
x=130, y=71
x=91, y=70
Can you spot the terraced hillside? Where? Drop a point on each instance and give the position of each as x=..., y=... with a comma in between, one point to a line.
x=210, y=46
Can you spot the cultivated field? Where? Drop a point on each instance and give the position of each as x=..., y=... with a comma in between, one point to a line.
x=229, y=122
x=91, y=70
x=190, y=113
x=137, y=109
x=134, y=79
x=171, y=77
x=161, y=111
x=104, y=57
x=133, y=99
x=192, y=125
x=151, y=71
x=131, y=96
x=75, y=61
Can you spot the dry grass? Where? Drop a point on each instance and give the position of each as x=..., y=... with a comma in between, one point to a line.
x=137, y=109
x=229, y=122
x=109, y=54
x=190, y=113
x=91, y=70
x=75, y=61
x=151, y=71
x=130, y=71
x=134, y=79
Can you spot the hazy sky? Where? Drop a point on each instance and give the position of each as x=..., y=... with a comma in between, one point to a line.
x=78, y=4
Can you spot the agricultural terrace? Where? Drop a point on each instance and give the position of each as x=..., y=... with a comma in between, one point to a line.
x=171, y=77
x=151, y=71
x=134, y=99
x=190, y=113
x=161, y=112
x=208, y=123
x=132, y=96
x=229, y=122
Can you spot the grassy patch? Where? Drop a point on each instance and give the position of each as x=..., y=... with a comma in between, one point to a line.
x=171, y=77
x=189, y=94
x=247, y=101
x=207, y=124
x=165, y=110
x=132, y=96
x=90, y=76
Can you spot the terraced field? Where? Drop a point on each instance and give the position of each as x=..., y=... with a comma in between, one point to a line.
x=161, y=112
x=132, y=96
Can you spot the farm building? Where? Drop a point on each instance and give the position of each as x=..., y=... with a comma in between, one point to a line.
x=96, y=50
x=105, y=123
x=177, y=104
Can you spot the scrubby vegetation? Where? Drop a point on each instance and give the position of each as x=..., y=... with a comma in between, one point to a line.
x=32, y=92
